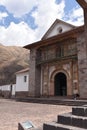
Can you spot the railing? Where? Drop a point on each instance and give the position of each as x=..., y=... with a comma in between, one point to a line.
x=56, y=57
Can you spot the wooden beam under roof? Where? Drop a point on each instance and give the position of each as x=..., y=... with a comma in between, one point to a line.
x=83, y=3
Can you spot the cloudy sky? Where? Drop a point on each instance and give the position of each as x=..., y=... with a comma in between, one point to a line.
x=25, y=21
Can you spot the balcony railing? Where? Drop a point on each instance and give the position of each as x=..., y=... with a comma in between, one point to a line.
x=56, y=57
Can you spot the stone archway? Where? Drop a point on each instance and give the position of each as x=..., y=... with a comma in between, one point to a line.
x=60, y=84
x=68, y=83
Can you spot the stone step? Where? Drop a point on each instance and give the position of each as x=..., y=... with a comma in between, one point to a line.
x=57, y=126
x=55, y=101
x=80, y=110
x=72, y=120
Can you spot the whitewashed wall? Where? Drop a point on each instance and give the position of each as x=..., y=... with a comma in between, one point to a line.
x=8, y=88
x=20, y=84
x=55, y=29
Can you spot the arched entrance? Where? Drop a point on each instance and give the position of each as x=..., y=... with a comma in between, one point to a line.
x=60, y=84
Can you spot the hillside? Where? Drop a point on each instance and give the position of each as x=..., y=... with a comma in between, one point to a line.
x=12, y=59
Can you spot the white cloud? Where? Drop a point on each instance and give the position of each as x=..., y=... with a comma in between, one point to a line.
x=76, y=16
x=3, y=15
x=45, y=14
x=21, y=34
x=2, y=2
x=18, y=7
x=17, y=34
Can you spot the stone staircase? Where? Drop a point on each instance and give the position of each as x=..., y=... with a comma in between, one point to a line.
x=76, y=120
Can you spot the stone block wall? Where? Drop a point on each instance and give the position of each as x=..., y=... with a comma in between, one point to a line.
x=6, y=94
x=82, y=65
x=21, y=94
x=49, y=70
x=34, y=75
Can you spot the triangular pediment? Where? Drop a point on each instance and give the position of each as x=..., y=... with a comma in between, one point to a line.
x=57, y=28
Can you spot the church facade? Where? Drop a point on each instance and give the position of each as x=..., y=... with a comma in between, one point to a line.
x=58, y=63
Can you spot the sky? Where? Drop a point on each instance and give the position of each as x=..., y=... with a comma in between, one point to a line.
x=23, y=22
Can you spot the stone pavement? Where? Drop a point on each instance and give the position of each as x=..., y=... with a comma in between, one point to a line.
x=12, y=112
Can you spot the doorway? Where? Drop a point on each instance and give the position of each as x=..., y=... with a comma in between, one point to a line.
x=60, y=84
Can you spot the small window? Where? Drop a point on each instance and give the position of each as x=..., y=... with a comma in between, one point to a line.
x=60, y=30
x=25, y=78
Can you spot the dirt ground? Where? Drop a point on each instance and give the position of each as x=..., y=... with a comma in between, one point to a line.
x=12, y=112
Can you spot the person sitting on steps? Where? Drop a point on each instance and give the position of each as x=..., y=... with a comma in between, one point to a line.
x=75, y=92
